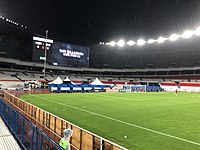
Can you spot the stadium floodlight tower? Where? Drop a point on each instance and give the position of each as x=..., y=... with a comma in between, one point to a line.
x=45, y=41
x=45, y=55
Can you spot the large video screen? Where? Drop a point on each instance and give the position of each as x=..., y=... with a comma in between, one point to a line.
x=68, y=54
x=62, y=54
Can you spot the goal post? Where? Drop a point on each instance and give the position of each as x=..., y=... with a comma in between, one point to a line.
x=135, y=88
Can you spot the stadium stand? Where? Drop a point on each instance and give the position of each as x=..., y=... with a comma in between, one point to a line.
x=111, y=65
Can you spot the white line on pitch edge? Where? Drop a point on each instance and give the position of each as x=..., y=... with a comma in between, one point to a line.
x=133, y=125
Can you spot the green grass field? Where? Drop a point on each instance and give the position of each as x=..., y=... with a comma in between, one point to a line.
x=150, y=121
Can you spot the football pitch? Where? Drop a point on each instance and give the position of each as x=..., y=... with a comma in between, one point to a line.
x=137, y=121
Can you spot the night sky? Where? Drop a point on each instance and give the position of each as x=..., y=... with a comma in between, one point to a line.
x=104, y=20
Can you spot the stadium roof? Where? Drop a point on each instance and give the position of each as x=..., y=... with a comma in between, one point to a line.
x=104, y=20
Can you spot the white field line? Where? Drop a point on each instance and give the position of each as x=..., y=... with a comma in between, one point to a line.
x=133, y=100
x=130, y=124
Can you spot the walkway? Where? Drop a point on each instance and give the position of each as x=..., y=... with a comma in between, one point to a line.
x=7, y=141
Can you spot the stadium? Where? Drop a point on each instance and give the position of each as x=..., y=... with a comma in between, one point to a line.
x=100, y=75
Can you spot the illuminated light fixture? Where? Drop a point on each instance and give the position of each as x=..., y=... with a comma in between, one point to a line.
x=121, y=43
x=187, y=34
x=197, y=31
x=38, y=43
x=42, y=58
x=174, y=37
x=101, y=43
x=25, y=27
x=141, y=42
x=42, y=39
x=48, y=44
x=112, y=43
x=161, y=39
x=150, y=41
x=131, y=43
x=6, y=19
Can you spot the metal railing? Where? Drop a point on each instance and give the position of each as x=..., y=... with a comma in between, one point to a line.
x=27, y=134
x=53, y=126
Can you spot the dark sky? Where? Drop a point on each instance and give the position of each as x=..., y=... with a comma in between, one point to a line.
x=106, y=19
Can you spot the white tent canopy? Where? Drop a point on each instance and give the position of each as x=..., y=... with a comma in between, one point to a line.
x=97, y=82
x=58, y=80
x=67, y=79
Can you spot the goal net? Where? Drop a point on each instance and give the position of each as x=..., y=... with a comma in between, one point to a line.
x=134, y=88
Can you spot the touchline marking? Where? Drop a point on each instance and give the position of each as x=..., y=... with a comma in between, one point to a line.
x=127, y=99
x=133, y=125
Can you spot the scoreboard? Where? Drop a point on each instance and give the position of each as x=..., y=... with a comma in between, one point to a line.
x=39, y=48
x=59, y=53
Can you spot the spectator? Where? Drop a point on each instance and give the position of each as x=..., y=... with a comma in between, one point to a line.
x=64, y=142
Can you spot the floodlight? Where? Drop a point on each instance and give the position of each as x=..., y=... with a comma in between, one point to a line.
x=131, y=43
x=161, y=39
x=42, y=39
x=197, y=31
x=150, y=41
x=112, y=43
x=174, y=37
x=121, y=43
x=141, y=42
x=101, y=43
x=187, y=34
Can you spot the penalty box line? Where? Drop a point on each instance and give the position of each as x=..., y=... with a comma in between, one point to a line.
x=130, y=124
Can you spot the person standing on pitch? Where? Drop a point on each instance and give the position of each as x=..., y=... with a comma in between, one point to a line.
x=64, y=142
x=176, y=92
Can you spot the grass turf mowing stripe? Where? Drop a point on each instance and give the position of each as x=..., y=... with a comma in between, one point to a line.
x=113, y=119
